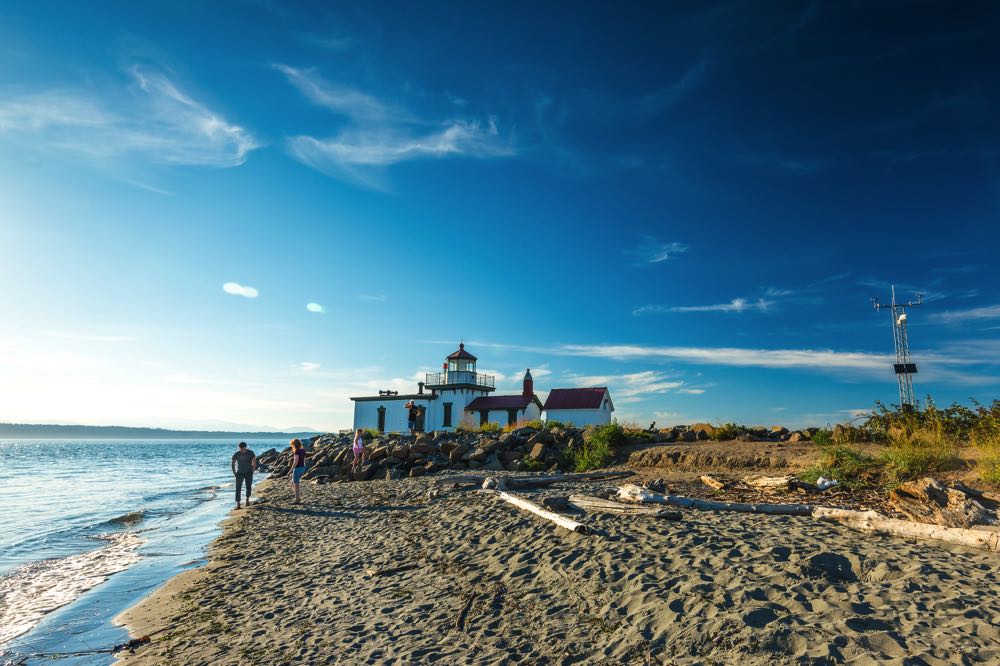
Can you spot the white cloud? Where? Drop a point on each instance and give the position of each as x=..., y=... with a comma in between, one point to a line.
x=308, y=366
x=87, y=337
x=970, y=314
x=691, y=391
x=655, y=251
x=380, y=134
x=237, y=289
x=736, y=305
x=152, y=119
x=373, y=298
x=315, y=307
x=630, y=385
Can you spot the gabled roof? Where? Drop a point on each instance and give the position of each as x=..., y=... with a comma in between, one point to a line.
x=461, y=353
x=500, y=402
x=576, y=398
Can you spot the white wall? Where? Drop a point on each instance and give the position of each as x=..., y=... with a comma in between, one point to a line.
x=579, y=417
x=396, y=416
x=530, y=413
x=458, y=398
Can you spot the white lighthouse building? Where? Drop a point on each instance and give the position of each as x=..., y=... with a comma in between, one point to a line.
x=445, y=399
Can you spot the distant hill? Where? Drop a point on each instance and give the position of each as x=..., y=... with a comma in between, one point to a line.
x=43, y=431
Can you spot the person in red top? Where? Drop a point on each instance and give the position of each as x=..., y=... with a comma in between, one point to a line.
x=298, y=467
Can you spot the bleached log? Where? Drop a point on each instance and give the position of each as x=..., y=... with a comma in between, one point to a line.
x=768, y=481
x=870, y=521
x=633, y=493
x=588, y=503
x=712, y=482
x=975, y=493
x=500, y=482
x=531, y=507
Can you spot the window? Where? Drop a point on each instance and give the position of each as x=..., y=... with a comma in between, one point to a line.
x=447, y=415
x=511, y=416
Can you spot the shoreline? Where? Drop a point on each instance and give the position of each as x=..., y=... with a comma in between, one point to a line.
x=376, y=572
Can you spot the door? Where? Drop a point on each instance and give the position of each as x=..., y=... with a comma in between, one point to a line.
x=419, y=425
x=381, y=419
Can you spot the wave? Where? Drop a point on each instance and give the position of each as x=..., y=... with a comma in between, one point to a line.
x=28, y=593
x=127, y=518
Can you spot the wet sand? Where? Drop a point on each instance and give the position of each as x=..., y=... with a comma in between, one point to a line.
x=483, y=583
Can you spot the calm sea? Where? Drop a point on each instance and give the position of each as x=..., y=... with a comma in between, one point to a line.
x=87, y=528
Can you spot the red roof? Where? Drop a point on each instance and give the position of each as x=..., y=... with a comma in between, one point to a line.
x=576, y=398
x=500, y=402
x=461, y=353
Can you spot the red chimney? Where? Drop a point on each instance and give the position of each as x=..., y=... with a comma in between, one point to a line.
x=529, y=384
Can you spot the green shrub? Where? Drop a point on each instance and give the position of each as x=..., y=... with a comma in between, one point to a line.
x=848, y=466
x=727, y=432
x=369, y=434
x=920, y=452
x=985, y=436
x=823, y=437
x=554, y=424
x=598, y=447
x=532, y=465
x=490, y=427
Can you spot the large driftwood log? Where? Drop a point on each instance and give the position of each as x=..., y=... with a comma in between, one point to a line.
x=633, y=493
x=588, y=503
x=531, y=507
x=768, y=481
x=713, y=482
x=929, y=501
x=499, y=482
x=870, y=521
x=977, y=494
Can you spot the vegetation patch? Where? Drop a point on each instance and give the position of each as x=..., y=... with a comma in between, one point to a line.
x=598, y=447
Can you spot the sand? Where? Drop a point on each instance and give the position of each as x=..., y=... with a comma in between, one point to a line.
x=491, y=585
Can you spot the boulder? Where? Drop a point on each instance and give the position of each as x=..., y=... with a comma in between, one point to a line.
x=798, y=436
x=458, y=452
x=417, y=471
x=478, y=455
x=379, y=454
x=777, y=431
x=400, y=451
x=448, y=445
x=688, y=436
x=541, y=437
x=537, y=451
x=492, y=463
x=489, y=445
x=707, y=428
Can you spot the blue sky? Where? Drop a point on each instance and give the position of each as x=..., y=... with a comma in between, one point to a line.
x=691, y=204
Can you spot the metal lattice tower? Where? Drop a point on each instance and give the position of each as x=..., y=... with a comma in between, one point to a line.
x=904, y=367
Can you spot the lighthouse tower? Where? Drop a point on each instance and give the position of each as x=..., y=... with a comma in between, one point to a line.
x=457, y=385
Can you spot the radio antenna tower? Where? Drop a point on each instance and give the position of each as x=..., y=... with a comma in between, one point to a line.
x=904, y=367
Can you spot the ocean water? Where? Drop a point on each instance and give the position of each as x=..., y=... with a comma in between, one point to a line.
x=88, y=528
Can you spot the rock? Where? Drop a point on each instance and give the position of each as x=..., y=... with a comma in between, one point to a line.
x=421, y=448
x=537, y=451
x=492, y=463
x=798, y=436
x=449, y=445
x=365, y=472
x=475, y=464
x=541, y=437
x=707, y=428
x=701, y=435
x=379, y=454
x=489, y=445
x=417, y=471
x=478, y=455
x=392, y=474
x=688, y=436
x=325, y=470
x=341, y=455
x=508, y=456
x=556, y=503
x=400, y=451
x=777, y=431
x=457, y=453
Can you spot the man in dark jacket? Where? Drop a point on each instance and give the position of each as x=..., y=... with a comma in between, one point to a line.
x=244, y=464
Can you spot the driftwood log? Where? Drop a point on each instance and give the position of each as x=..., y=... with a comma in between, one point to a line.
x=499, y=482
x=768, y=481
x=531, y=507
x=588, y=503
x=713, y=482
x=981, y=495
x=633, y=493
x=930, y=501
x=870, y=521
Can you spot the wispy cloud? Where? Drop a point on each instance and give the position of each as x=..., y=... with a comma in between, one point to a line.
x=969, y=314
x=736, y=305
x=315, y=307
x=381, y=134
x=662, y=99
x=309, y=366
x=87, y=337
x=237, y=289
x=373, y=298
x=152, y=119
x=652, y=250
x=631, y=385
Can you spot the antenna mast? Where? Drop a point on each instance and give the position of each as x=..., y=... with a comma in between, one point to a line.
x=904, y=367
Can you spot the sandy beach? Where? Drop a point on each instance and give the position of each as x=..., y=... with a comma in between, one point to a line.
x=376, y=573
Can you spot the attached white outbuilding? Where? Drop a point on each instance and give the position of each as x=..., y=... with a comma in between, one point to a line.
x=579, y=406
